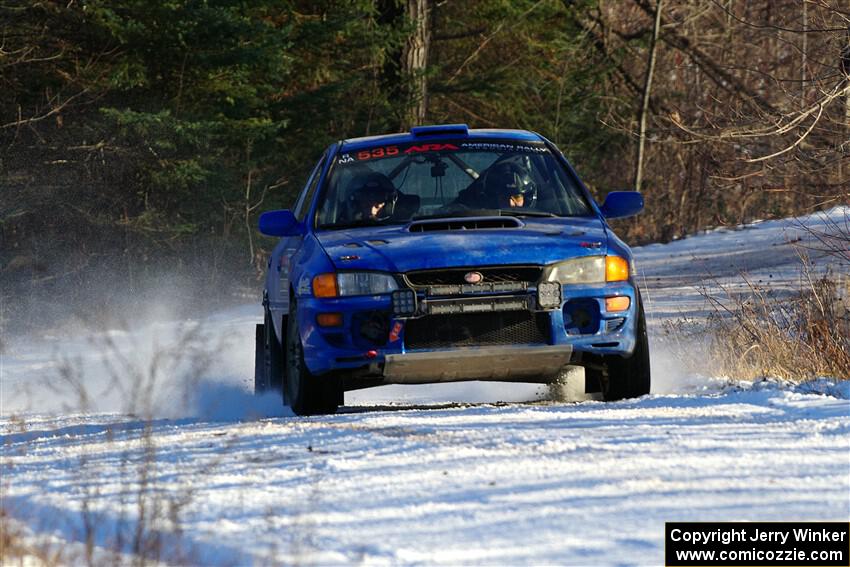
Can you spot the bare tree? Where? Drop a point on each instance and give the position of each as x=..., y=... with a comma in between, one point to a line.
x=647, y=89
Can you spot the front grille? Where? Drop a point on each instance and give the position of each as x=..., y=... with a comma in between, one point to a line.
x=477, y=329
x=454, y=276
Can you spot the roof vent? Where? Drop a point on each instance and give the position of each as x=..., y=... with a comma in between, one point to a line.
x=479, y=223
x=440, y=130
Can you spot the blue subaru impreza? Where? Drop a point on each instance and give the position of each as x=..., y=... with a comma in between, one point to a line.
x=448, y=254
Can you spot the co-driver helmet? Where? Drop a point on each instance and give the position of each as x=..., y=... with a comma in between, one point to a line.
x=508, y=179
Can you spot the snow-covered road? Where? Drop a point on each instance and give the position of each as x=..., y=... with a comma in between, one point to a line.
x=402, y=476
x=516, y=484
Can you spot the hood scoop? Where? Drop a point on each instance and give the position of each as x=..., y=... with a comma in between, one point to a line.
x=472, y=223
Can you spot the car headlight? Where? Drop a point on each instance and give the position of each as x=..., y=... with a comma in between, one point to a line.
x=589, y=270
x=346, y=284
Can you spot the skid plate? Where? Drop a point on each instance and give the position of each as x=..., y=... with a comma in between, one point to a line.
x=504, y=363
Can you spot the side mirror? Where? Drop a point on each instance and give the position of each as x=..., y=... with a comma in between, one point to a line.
x=621, y=204
x=280, y=223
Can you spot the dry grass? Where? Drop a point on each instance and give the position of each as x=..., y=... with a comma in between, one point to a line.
x=147, y=529
x=757, y=331
x=16, y=548
x=795, y=336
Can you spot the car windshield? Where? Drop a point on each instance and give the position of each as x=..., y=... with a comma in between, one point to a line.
x=394, y=184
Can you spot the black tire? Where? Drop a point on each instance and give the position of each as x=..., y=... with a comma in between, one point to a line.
x=629, y=377
x=304, y=393
x=268, y=359
x=259, y=359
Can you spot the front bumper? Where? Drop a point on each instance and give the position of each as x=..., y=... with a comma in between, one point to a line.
x=390, y=360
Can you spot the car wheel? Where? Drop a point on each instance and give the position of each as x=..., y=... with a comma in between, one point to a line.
x=268, y=358
x=304, y=393
x=630, y=377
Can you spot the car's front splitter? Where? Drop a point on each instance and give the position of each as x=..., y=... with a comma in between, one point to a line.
x=520, y=363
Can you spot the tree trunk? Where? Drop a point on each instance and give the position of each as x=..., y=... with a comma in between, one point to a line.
x=804, y=56
x=845, y=68
x=415, y=61
x=647, y=89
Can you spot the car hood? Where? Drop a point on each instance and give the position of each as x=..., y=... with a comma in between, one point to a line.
x=396, y=249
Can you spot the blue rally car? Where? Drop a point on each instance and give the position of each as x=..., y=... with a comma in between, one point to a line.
x=448, y=254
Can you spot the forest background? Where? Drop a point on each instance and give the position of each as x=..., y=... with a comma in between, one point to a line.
x=140, y=139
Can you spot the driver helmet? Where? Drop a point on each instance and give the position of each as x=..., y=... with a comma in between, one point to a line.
x=374, y=197
x=510, y=185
